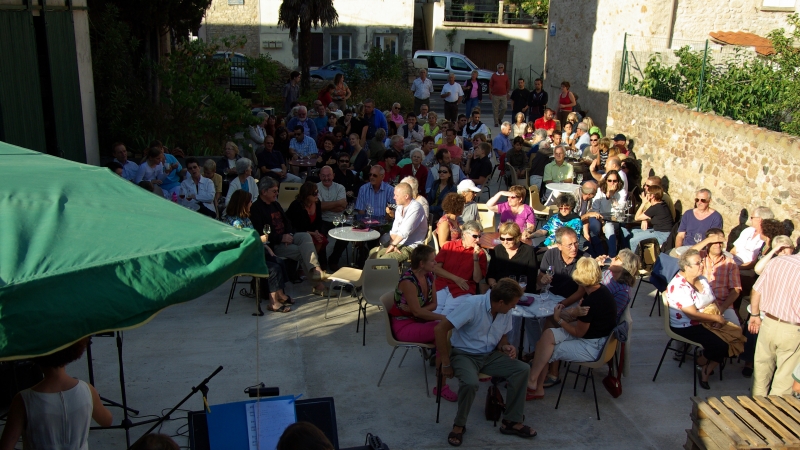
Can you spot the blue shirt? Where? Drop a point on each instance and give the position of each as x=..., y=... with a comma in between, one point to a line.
x=476, y=332
x=173, y=178
x=501, y=143
x=305, y=148
x=378, y=200
x=130, y=168
x=309, y=127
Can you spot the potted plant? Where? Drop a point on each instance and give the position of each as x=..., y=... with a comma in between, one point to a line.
x=468, y=9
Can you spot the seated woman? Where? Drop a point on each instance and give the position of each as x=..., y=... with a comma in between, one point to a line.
x=578, y=341
x=238, y=216
x=687, y=294
x=305, y=213
x=460, y=266
x=519, y=126
x=610, y=193
x=417, y=170
x=413, y=318
x=656, y=220
x=447, y=228
x=619, y=278
x=58, y=411
x=512, y=257
x=359, y=158
x=440, y=189
x=389, y=163
x=566, y=217
x=514, y=209
x=244, y=180
x=327, y=155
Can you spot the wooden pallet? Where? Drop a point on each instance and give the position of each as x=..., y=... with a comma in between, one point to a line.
x=744, y=423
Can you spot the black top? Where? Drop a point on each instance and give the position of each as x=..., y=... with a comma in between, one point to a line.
x=523, y=263
x=562, y=283
x=537, y=102
x=270, y=160
x=348, y=179
x=660, y=217
x=360, y=161
x=300, y=220
x=520, y=99
x=272, y=214
x=602, y=316
x=480, y=168
x=539, y=162
x=326, y=156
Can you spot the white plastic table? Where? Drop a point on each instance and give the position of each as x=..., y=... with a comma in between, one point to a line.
x=554, y=189
x=540, y=308
x=347, y=233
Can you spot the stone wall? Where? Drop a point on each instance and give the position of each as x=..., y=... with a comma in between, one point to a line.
x=744, y=166
x=223, y=20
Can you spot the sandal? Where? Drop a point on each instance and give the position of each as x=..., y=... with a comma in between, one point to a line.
x=530, y=394
x=280, y=309
x=551, y=381
x=458, y=437
x=525, y=431
x=288, y=301
x=447, y=394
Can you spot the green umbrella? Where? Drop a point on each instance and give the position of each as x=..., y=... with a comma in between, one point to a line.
x=84, y=251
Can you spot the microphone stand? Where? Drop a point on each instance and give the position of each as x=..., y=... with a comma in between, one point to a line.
x=200, y=387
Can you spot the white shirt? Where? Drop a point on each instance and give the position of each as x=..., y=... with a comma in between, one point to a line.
x=422, y=89
x=410, y=223
x=454, y=90
x=622, y=176
x=203, y=192
x=603, y=204
x=748, y=245
x=331, y=194
x=236, y=185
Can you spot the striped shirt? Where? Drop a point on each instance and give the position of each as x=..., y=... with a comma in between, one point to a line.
x=779, y=287
x=722, y=275
x=378, y=200
x=620, y=291
x=305, y=148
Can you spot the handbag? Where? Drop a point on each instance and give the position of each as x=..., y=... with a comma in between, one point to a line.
x=613, y=384
x=495, y=405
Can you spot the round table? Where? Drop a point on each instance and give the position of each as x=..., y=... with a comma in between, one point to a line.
x=541, y=308
x=304, y=162
x=554, y=189
x=347, y=233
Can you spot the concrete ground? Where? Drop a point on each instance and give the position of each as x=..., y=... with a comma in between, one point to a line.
x=302, y=353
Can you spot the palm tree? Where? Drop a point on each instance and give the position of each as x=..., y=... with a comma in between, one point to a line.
x=304, y=14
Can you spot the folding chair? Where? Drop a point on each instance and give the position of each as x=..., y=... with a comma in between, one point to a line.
x=648, y=252
x=541, y=211
x=380, y=276
x=606, y=355
x=662, y=273
x=244, y=292
x=387, y=301
x=486, y=217
x=288, y=193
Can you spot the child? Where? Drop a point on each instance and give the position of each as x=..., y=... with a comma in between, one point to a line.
x=517, y=158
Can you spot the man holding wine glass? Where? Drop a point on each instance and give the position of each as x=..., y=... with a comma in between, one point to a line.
x=333, y=199
x=698, y=220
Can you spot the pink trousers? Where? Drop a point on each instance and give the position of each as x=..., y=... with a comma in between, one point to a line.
x=413, y=331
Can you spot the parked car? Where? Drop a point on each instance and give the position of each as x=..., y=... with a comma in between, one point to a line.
x=238, y=61
x=441, y=64
x=329, y=71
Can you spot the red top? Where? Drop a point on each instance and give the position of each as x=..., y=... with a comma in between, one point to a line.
x=499, y=84
x=565, y=101
x=540, y=123
x=421, y=175
x=457, y=260
x=325, y=98
x=390, y=174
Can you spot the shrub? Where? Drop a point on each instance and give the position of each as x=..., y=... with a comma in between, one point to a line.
x=387, y=92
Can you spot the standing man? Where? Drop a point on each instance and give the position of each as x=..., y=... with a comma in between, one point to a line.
x=499, y=86
x=480, y=345
x=373, y=121
x=537, y=101
x=776, y=294
x=452, y=95
x=333, y=200
x=129, y=168
x=519, y=99
x=422, y=88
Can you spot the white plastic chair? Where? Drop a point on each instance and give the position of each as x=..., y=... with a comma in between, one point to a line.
x=606, y=354
x=380, y=276
x=288, y=193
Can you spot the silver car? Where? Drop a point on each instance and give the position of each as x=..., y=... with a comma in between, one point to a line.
x=442, y=64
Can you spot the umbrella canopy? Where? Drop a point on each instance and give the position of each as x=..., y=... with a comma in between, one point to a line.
x=84, y=251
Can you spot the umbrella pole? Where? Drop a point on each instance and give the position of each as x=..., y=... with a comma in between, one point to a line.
x=259, y=312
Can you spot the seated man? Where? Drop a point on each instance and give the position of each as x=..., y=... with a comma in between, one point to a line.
x=411, y=131
x=451, y=145
x=301, y=146
x=377, y=193
x=333, y=202
x=468, y=190
x=583, y=139
x=546, y=122
x=309, y=128
x=474, y=127
x=443, y=158
x=558, y=171
x=479, y=167
x=129, y=168
x=722, y=273
x=612, y=163
x=344, y=176
x=409, y=229
x=561, y=259
x=198, y=191
x=273, y=164
x=460, y=265
x=517, y=158
x=502, y=143
x=480, y=345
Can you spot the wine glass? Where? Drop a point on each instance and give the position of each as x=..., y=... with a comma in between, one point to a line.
x=698, y=238
x=523, y=281
x=579, y=178
x=369, y=212
x=628, y=205
x=238, y=224
x=337, y=219
x=546, y=290
x=349, y=209
x=267, y=229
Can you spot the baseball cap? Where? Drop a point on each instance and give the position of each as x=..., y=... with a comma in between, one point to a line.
x=467, y=185
x=620, y=137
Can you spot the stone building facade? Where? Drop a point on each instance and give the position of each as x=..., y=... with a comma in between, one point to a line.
x=224, y=19
x=743, y=165
x=584, y=47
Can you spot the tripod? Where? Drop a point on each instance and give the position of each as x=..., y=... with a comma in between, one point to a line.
x=126, y=423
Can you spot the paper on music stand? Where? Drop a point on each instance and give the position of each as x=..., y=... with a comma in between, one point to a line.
x=266, y=421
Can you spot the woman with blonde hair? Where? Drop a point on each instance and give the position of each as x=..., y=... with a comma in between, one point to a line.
x=431, y=128
x=514, y=209
x=519, y=127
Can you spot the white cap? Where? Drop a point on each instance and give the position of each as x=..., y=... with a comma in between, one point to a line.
x=467, y=185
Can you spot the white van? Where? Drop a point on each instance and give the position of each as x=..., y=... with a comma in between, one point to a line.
x=441, y=64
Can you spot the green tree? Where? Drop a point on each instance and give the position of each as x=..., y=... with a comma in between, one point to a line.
x=299, y=16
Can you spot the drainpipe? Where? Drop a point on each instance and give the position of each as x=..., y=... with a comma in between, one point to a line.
x=672, y=16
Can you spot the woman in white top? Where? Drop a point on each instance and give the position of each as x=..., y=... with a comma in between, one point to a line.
x=611, y=192
x=244, y=180
x=151, y=170
x=747, y=247
x=57, y=412
x=687, y=294
x=519, y=127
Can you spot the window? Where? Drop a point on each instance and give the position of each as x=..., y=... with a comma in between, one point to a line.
x=459, y=64
x=437, y=62
x=340, y=46
x=778, y=5
x=387, y=42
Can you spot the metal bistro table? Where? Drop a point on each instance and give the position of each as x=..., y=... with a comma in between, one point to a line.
x=309, y=161
x=625, y=220
x=554, y=189
x=541, y=308
x=347, y=233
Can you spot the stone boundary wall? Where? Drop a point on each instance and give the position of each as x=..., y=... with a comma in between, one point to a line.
x=744, y=166
x=224, y=20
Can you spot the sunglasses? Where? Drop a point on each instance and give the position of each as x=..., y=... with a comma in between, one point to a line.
x=513, y=196
x=502, y=239
x=444, y=171
x=701, y=200
x=565, y=207
x=475, y=236
x=344, y=161
x=612, y=180
x=374, y=175
x=647, y=185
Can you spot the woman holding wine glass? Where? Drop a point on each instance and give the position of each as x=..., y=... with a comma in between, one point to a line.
x=610, y=193
x=305, y=214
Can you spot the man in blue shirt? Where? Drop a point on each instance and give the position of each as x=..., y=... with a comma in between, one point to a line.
x=309, y=127
x=502, y=144
x=129, y=168
x=376, y=193
x=480, y=345
x=373, y=120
